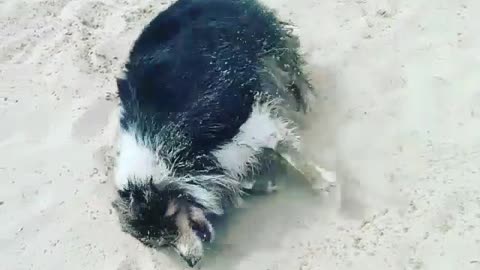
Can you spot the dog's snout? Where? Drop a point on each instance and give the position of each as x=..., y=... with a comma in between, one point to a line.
x=191, y=261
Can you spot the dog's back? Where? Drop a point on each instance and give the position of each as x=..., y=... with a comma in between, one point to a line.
x=199, y=65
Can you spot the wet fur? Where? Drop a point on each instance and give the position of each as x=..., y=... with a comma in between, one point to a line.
x=196, y=77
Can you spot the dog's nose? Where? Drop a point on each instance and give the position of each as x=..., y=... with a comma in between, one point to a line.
x=192, y=261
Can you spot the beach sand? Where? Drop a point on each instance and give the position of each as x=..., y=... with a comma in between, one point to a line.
x=398, y=119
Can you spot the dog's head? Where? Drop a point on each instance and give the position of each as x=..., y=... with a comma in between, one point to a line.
x=166, y=214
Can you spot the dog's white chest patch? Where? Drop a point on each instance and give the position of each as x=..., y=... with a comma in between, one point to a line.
x=262, y=130
x=137, y=163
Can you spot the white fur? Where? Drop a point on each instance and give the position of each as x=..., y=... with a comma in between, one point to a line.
x=208, y=199
x=137, y=162
x=263, y=129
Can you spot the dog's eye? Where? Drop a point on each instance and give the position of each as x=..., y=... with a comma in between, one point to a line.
x=202, y=231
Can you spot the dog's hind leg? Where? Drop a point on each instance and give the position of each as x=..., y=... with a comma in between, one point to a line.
x=262, y=179
x=319, y=178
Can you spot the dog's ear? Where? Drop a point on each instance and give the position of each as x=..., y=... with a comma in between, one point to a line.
x=137, y=208
x=117, y=204
x=122, y=207
x=132, y=204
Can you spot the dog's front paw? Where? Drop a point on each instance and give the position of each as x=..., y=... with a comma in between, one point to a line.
x=320, y=178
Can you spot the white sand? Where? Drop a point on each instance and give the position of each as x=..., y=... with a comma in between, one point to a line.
x=400, y=122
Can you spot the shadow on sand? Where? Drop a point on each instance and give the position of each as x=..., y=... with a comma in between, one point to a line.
x=262, y=222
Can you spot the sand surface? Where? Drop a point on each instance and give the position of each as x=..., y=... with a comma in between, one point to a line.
x=399, y=120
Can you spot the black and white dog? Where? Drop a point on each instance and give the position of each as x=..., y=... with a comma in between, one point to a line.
x=212, y=89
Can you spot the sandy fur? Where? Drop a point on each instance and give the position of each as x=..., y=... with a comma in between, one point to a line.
x=264, y=129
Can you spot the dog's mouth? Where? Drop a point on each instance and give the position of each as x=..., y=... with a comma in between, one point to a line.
x=155, y=243
x=191, y=261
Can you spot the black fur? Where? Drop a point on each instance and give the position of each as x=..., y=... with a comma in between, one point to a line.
x=145, y=219
x=198, y=67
